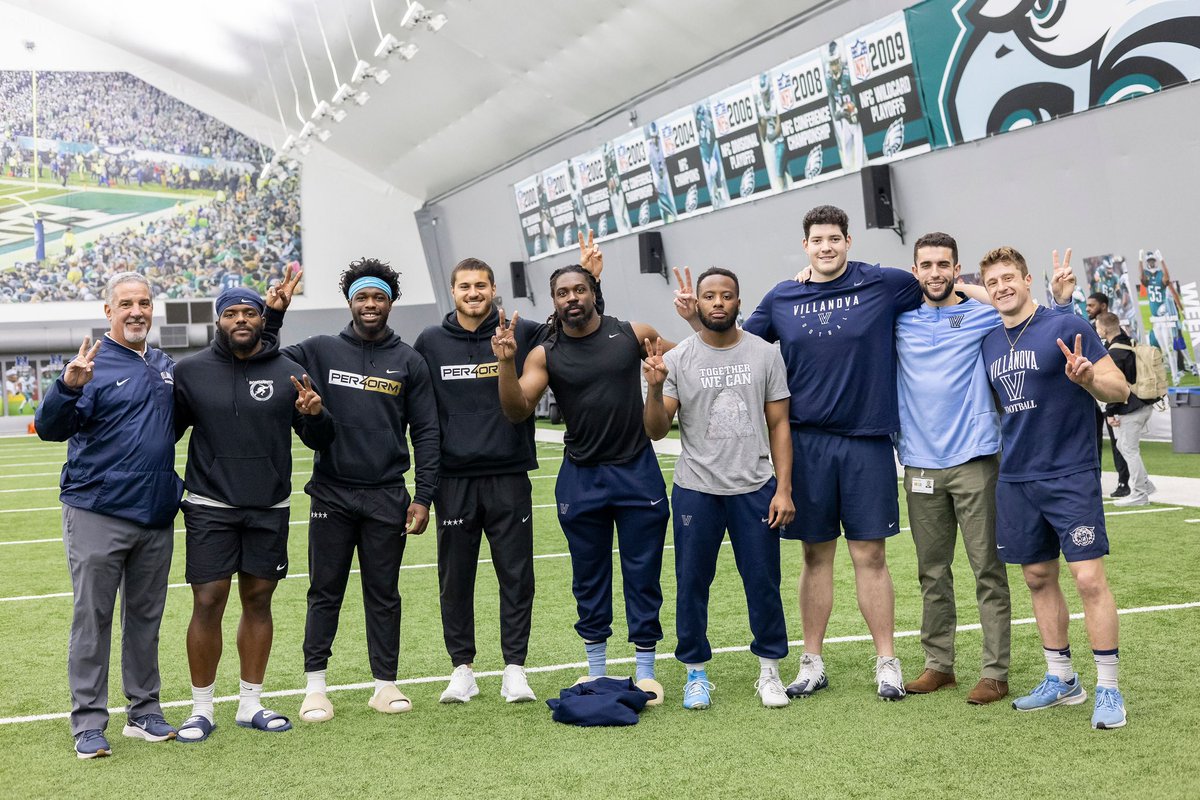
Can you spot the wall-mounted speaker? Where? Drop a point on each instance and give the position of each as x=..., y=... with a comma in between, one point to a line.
x=520, y=287
x=650, y=254
x=878, y=207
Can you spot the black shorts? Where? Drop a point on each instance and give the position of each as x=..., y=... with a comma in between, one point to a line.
x=224, y=541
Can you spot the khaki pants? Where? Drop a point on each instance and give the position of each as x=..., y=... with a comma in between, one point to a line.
x=963, y=496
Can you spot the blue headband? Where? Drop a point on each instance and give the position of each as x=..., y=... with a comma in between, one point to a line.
x=369, y=282
x=239, y=295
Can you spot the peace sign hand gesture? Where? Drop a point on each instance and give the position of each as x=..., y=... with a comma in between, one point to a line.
x=685, y=297
x=1079, y=369
x=1062, y=285
x=279, y=295
x=504, y=343
x=307, y=401
x=79, y=369
x=653, y=367
x=590, y=257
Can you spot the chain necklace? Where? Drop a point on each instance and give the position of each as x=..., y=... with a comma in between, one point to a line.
x=1012, y=343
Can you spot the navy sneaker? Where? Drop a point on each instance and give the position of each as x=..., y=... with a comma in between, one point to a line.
x=92, y=744
x=696, y=690
x=151, y=727
x=1110, y=709
x=1052, y=692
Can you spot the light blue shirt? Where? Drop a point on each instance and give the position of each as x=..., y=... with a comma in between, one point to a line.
x=947, y=414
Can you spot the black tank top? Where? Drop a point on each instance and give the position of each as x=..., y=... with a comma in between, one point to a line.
x=597, y=381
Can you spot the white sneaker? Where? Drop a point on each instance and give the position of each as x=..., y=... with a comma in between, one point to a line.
x=1150, y=488
x=514, y=687
x=809, y=679
x=1133, y=500
x=770, y=688
x=888, y=679
x=462, y=686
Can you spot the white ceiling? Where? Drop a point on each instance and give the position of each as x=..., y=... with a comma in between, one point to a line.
x=502, y=76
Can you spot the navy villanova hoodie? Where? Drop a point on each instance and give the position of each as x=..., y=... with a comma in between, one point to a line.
x=477, y=439
x=243, y=412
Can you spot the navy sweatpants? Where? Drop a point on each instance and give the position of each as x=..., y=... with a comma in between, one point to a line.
x=591, y=500
x=701, y=520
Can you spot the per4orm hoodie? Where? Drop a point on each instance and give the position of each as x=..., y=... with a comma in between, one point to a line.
x=243, y=412
x=376, y=390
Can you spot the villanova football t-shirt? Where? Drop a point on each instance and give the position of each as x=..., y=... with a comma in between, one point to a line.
x=1047, y=423
x=838, y=340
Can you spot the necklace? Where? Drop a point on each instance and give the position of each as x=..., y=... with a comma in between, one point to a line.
x=1012, y=343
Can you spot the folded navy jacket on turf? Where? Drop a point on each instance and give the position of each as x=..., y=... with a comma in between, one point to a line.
x=603, y=701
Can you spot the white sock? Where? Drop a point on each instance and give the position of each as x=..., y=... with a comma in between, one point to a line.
x=381, y=685
x=202, y=705
x=1058, y=663
x=250, y=703
x=696, y=667
x=816, y=659
x=765, y=664
x=316, y=682
x=1106, y=668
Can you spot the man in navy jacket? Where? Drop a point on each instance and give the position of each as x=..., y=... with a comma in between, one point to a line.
x=120, y=494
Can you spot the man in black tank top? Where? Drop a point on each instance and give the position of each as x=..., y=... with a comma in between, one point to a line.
x=610, y=474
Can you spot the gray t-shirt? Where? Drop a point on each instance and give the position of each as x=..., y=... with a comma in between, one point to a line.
x=721, y=394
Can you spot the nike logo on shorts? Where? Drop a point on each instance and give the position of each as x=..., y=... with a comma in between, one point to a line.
x=282, y=566
x=526, y=518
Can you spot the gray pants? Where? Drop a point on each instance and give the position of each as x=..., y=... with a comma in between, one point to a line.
x=106, y=554
x=1129, y=442
x=963, y=496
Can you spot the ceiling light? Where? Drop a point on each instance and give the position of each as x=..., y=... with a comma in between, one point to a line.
x=413, y=15
x=436, y=22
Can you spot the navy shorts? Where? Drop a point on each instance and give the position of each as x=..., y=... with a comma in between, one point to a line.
x=224, y=541
x=842, y=483
x=1036, y=520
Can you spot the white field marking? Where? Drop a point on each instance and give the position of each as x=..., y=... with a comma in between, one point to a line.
x=574, y=665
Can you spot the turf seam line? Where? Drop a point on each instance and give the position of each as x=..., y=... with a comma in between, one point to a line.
x=348, y=687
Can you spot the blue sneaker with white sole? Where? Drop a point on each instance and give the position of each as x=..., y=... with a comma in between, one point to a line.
x=151, y=727
x=1052, y=692
x=1110, y=709
x=696, y=690
x=92, y=744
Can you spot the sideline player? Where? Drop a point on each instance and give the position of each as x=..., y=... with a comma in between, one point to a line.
x=1048, y=498
x=242, y=399
x=379, y=391
x=483, y=484
x=725, y=385
x=610, y=474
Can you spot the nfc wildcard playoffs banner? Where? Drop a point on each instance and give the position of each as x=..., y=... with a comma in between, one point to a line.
x=642, y=175
x=740, y=135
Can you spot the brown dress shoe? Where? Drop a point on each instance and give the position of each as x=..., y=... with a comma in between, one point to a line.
x=988, y=690
x=930, y=681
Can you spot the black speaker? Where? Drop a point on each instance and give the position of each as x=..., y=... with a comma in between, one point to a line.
x=877, y=196
x=519, y=286
x=650, y=254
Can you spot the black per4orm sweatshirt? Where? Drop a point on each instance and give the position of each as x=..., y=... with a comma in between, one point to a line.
x=376, y=391
x=243, y=412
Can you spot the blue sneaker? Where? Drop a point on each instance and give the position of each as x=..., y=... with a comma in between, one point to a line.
x=695, y=691
x=1052, y=692
x=151, y=727
x=92, y=744
x=1110, y=709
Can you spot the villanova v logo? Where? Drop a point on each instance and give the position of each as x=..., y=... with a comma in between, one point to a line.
x=824, y=317
x=956, y=321
x=1014, y=385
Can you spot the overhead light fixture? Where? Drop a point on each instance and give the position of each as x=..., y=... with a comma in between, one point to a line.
x=407, y=51
x=310, y=130
x=363, y=70
x=436, y=22
x=288, y=144
x=416, y=13
x=326, y=111
x=390, y=44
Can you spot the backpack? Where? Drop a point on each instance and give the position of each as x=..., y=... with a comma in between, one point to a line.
x=1151, y=370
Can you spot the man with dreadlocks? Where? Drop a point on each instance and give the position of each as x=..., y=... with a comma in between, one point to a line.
x=379, y=388
x=610, y=473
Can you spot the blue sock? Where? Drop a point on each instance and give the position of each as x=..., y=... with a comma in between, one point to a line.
x=596, y=654
x=645, y=664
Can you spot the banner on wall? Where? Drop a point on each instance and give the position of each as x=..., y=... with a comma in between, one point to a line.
x=1108, y=275
x=536, y=231
x=805, y=148
x=642, y=174
x=987, y=67
x=740, y=137
x=689, y=170
x=874, y=95
x=595, y=193
x=563, y=206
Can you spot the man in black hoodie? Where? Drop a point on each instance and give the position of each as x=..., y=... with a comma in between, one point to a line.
x=377, y=387
x=483, y=486
x=242, y=399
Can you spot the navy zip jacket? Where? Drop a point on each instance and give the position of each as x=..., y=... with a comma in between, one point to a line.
x=121, y=437
x=243, y=411
x=477, y=439
x=376, y=391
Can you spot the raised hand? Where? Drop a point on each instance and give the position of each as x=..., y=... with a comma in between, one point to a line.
x=1079, y=369
x=685, y=296
x=504, y=343
x=79, y=369
x=307, y=401
x=280, y=294
x=653, y=367
x=1062, y=285
x=590, y=257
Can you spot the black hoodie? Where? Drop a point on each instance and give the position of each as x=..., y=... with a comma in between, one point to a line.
x=375, y=390
x=477, y=439
x=243, y=411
